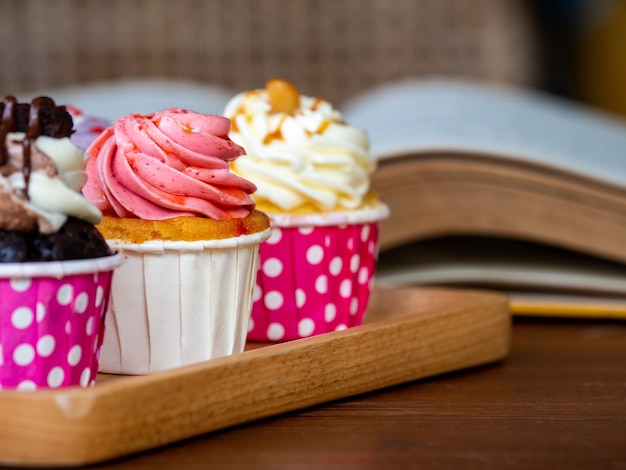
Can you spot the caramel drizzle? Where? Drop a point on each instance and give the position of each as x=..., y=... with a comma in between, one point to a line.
x=33, y=130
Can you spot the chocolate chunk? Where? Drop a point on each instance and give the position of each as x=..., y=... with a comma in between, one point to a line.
x=55, y=121
x=13, y=247
x=75, y=240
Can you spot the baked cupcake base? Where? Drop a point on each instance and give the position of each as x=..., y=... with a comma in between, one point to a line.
x=179, y=302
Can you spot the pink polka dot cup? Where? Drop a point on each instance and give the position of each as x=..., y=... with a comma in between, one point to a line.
x=52, y=321
x=314, y=279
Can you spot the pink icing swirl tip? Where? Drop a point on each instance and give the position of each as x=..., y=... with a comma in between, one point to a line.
x=167, y=164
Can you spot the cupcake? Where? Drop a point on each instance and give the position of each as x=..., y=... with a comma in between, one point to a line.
x=55, y=267
x=86, y=128
x=190, y=232
x=312, y=172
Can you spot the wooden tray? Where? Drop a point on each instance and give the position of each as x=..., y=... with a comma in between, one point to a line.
x=410, y=334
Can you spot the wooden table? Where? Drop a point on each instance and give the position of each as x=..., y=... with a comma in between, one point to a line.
x=558, y=401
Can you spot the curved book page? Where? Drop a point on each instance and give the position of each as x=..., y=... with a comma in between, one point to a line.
x=421, y=116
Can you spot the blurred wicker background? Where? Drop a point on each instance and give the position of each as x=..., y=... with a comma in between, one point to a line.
x=329, y=48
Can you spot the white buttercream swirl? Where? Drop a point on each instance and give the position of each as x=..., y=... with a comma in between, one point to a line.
x=55, y=182
x=309, y=156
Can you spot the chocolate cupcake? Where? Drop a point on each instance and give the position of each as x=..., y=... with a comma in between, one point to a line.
x=55, y=267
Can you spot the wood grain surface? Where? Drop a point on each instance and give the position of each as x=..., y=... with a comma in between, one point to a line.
x=557, y=402
x=411, y=334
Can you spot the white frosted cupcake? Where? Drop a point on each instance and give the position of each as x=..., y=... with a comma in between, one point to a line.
x=312, y=173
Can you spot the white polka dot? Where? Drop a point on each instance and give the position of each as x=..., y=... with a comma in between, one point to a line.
x=355, y=262
x=315, y=254
x=321, y=284
x=327, y=241
x=41, y=312
x=305, y=230
x=275, y=331
x=345, y=288
x=22, y=318
x=1, y=356
x=99, y=295
x=335, y=265
x=354, y=306
x=330, y=312
x=65, y=294
x=300, y=298
x=26, y=386
x=250, y=325
x=85, y=375
x=20, y=284
x=55, y=377
x=45, y=345
x=73, y=357
x=23, y=354
x=257, y=293
x=365, y=232
x=89, y=326
x=275, y=236
x=306, y=326
x=273, y=267
x=364, y=275
x=273, y=300
x=68, y=327
x=81, y=303
x=350, y=244
x=341, y=327
x=372, y=248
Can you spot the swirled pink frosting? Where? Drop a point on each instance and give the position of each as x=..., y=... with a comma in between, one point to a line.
x=167, y=164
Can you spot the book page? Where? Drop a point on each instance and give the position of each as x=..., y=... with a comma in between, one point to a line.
x=500, y=263
x=421, y=116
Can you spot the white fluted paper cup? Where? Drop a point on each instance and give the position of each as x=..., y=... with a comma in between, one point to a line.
x=175, y=303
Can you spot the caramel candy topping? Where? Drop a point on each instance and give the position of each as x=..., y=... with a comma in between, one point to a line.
x=283, y=96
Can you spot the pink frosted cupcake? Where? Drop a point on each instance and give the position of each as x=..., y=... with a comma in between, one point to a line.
x=188, y=228
x=312, y=172
x=55, y=267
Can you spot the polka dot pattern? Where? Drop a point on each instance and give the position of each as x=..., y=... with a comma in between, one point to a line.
x=313, y=280
x=49, y=330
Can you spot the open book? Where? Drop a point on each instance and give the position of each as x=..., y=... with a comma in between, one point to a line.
x=487, y=186
x=500, y=188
